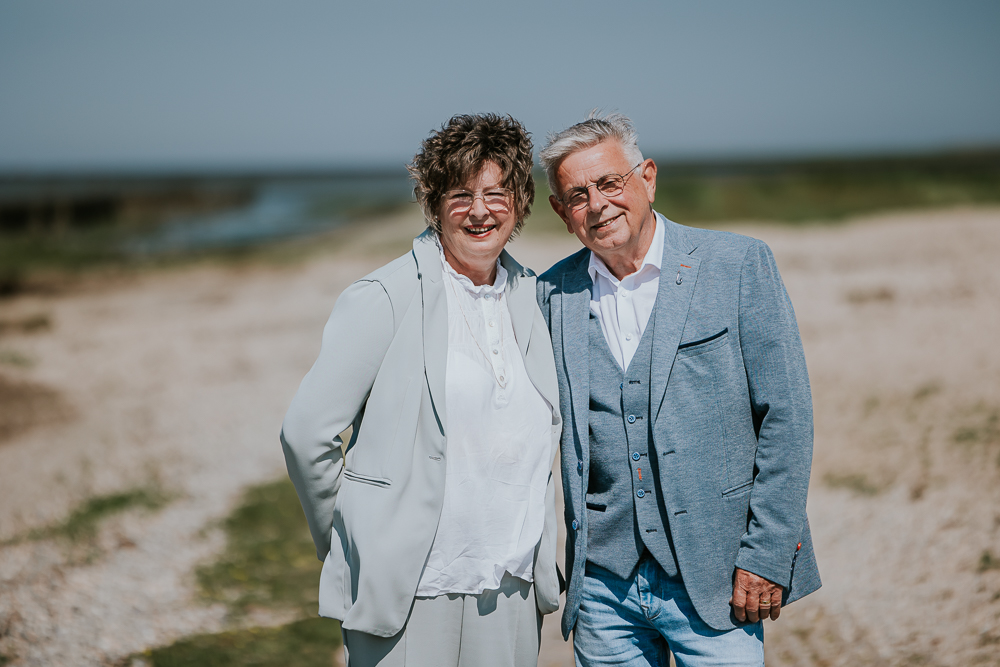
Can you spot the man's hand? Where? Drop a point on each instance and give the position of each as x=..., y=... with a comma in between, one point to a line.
x=755, y=598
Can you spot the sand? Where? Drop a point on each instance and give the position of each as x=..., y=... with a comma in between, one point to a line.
x=178, y=379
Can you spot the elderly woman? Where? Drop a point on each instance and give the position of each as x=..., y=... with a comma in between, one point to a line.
x=436, y=524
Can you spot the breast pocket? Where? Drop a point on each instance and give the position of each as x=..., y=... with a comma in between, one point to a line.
x=703, y=345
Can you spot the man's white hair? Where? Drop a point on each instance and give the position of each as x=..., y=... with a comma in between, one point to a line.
x=597, y=128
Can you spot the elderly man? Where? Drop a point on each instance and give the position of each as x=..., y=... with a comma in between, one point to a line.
x=687, y=419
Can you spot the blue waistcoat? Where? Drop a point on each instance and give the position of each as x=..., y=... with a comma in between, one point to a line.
x=625, y=510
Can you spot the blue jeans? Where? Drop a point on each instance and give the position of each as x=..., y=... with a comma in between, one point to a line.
x=638, y=622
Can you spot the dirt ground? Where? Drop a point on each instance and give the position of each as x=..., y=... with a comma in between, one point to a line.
x=178, y=379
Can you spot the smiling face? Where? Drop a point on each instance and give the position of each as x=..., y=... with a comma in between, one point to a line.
x=618, y=229
x=473, y=238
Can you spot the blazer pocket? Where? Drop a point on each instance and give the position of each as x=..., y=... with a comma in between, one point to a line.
x=701, y=345
x=367, y=479
x=738, y=490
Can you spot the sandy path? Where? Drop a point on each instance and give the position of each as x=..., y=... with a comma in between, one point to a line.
x=181, y=378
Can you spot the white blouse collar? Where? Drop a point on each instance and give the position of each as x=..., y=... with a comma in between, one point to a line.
x=496, y=289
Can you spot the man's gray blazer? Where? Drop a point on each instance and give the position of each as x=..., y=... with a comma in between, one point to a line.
x=373, y=513
x=731, y=411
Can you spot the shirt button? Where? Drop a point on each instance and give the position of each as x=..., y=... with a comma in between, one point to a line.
x=491, y=322
x=575, y=524
x=640, y=493
x=495, y=351
x=628, y=336
x=635, y=456
x=631, y=419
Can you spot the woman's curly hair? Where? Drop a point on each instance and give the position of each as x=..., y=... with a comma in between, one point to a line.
x=460, y=149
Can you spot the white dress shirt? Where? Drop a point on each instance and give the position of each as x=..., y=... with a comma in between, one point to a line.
x=499, y=439
x=623, y=306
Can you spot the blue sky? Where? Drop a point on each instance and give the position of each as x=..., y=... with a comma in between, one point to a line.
x=247, y=84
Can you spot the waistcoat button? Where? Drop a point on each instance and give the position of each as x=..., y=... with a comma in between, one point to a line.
x=631, y=419
x=635, y=456
x=640, y=493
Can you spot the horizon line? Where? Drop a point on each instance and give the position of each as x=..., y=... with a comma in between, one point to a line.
x=362, y=169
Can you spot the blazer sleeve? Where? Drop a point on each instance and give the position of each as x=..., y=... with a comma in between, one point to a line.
x=781, y=403
x=331, y=396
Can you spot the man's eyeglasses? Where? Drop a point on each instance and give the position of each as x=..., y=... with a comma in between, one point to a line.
x=609, y=186
x=497, y=200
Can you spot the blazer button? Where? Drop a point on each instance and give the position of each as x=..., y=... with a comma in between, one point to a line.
x=575, y=524
x=635, y=456
x=579, y=467
x=640, y=493
x=631, y=419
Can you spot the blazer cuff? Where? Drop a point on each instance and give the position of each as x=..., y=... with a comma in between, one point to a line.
x=752, y=561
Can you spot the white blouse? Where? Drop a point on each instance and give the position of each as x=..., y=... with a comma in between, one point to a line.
x=499, y=437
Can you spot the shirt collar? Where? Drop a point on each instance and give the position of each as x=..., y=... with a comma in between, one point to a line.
x=653, y=258
x=496, y=289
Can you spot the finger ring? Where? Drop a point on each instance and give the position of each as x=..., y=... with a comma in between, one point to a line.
x=764, y=603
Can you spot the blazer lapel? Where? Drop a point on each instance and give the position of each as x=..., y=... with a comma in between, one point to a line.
x=520, y=292
x=525, y=318
x=435, y=319
x=575, y=333
x=678, y=275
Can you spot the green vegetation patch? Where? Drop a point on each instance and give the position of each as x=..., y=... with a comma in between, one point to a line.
x=926, y=390
x=15, y=358
x=270, y=559
x=29, y=324
x=311, y=642
x=988, y=562
x=70, y=251
x=83, y=522
x=856, y=483
x=825, y=189
x=987, y=431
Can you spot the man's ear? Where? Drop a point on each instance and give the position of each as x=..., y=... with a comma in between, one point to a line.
x=561, y=212
x=649, y=179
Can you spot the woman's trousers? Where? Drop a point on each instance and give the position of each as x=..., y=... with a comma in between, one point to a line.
x=499, y=628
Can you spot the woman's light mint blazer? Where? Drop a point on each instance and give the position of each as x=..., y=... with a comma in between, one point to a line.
x=381, y=369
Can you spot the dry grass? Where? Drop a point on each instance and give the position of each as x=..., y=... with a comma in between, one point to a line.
x=870, y=295
x=24, y=405
x=30, y=324
x=855, y=482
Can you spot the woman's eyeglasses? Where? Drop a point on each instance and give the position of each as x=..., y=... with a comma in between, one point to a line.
x=611, y=185
x=497, y=200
